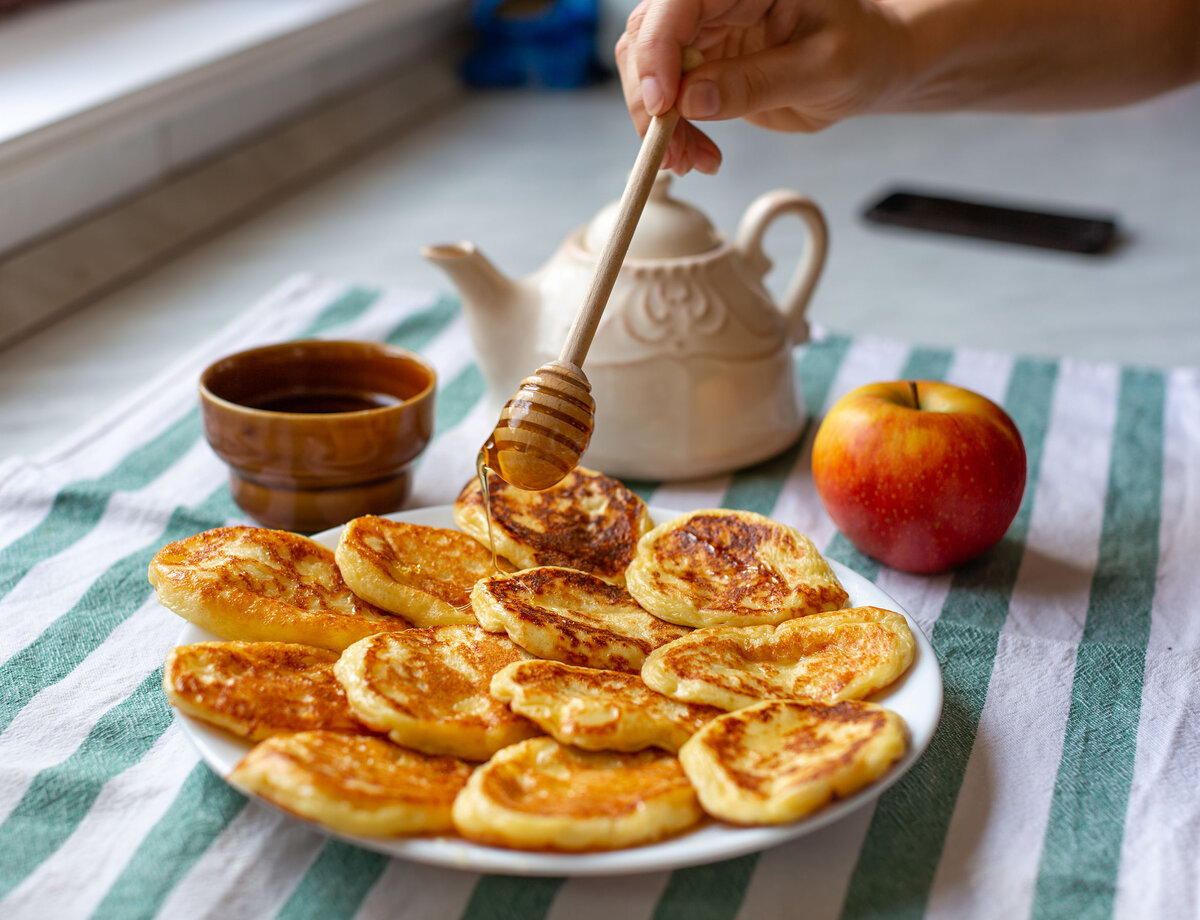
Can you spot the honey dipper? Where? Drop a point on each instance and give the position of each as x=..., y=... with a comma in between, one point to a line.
x=546, y=426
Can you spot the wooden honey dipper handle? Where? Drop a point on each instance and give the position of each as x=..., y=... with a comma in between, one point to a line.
x=629, y=211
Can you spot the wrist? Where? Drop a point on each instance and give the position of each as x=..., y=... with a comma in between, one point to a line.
x=903, y=63
x=927, y=35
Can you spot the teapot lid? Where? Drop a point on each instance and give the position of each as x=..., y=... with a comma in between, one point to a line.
x=667, y=229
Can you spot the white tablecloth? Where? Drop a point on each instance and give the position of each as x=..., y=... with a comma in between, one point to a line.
x=1062, y=781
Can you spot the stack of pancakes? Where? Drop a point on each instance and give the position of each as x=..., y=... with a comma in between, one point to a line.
x=593, y=682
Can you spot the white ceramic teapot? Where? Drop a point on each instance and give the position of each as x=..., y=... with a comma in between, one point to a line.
x=691, y=366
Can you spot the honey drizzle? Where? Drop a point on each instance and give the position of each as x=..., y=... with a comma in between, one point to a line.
x=482, y=470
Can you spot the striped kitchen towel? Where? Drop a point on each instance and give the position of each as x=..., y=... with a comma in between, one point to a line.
x=1061, y=782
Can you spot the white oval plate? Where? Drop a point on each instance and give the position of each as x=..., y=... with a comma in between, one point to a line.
x=917, y=697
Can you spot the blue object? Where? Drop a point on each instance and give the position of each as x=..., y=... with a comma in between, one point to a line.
x=549, y=43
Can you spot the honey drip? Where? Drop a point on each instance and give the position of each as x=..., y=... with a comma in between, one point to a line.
x=481, y=470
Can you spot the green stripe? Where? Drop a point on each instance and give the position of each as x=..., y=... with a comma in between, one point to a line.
x=116, y=594
x=717, y=890
x=922, y=364
x=335, y=884
x=908, y=828
x=458, y=397
x=1077, y=876
x=347, y=308
x=505, y=897
x=79, y=506
x=60, y=796
x=415, y=332
x=202, y=810
x=711, y=892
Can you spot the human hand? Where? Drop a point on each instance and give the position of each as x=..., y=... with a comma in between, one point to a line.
x=799, y=65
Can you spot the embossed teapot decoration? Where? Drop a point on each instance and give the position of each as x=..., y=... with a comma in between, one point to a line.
x=691, y=366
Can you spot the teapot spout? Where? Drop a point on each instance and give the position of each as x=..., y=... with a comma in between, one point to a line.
x=498, y=311
x=479, y=282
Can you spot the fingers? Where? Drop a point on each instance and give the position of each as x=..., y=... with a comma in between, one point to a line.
x=630, y=86
x=691, y=148
x=842, y=67
x=650, y=53
x=738, y=87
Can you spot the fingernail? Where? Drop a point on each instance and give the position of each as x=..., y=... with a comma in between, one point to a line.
x=652, y=95
x=700, y=100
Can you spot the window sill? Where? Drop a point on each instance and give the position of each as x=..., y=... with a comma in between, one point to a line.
x=101, y=100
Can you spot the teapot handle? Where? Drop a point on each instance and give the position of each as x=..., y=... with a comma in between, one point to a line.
x=762, y=211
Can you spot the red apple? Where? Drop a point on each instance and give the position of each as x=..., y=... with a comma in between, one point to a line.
x=921, y=475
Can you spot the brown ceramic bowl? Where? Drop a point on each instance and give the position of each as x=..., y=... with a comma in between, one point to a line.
x=318, y=432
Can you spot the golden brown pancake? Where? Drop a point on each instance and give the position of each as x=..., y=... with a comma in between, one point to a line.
x=258, y=689
x=719, y=567
x=354, y=784
x=838, y=655
x=780, y=760
x=588, y=521
x=424, y=574
x=542, y=795
x=260, y=585
x=571, y=616
x=595, y=709
x=429, y=689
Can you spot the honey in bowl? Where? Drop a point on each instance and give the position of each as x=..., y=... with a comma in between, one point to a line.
x=322, y=402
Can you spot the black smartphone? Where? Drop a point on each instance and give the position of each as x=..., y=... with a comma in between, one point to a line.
x=1092, y=234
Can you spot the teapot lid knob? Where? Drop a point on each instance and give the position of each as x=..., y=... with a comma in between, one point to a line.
x=667, y=229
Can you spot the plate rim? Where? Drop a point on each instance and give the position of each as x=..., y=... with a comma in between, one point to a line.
x=711, y=842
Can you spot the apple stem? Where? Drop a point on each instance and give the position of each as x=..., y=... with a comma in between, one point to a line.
x=912, y=385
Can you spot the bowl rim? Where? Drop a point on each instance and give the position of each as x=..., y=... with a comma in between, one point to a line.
x=389, y=350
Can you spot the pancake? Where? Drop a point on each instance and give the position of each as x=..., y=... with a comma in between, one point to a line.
x=718, y=567
x=428, y=689
x=424, y=574
x=597, y=710
x=260, y=585
x=570, y=616
x=354, y=784
x=588, y=521
x=542, y=795
x=780, y=760
x=839, y=655
x=258, y=689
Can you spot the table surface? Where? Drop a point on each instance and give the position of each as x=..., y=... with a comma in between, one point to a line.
x=514, y=171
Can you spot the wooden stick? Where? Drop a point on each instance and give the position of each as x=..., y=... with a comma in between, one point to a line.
x=629, y=211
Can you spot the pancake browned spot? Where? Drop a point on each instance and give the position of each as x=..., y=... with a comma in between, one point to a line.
x=542, y=795
x=588, y=521
x=830, y=656
x=570, y=616
x=429, y=689
x=258, y=689
x=780, y=760
x=354, y=784
x=595, y=709
x=423, y=573
x=255, y=584
x=720, y=567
